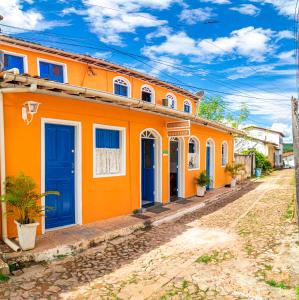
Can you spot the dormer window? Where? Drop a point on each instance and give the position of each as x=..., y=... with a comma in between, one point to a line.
x=14, y=61
x=187, y=106
x=147, y=94
x=171, y=100
x=121, y=87
x=52, y=71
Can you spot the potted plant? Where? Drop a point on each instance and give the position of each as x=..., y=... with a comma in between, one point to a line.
x=233, y=170
x=201, y=182
x=22, y=200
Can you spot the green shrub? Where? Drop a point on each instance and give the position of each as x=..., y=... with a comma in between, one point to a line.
x=261, y=161
x=203, y=179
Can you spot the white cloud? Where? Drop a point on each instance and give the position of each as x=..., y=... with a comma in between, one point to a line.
x=247, y=9
x=284, y=7
x=193, y=16
x=217, y=1
x=15, y=15
x=250, y=42
x=284, y=34
x=111, y=18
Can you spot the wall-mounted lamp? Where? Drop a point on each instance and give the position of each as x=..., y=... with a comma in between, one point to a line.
x=29, y=108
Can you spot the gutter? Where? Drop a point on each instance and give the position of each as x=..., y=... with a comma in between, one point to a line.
x=3, y=91
x=97, y=96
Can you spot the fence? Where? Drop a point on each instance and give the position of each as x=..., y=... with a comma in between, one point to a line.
x=248, y=160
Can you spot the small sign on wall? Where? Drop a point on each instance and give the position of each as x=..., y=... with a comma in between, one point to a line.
x=165, y=152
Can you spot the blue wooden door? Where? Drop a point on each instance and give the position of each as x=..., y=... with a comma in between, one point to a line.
x=60, y=174
x=208, y=162
x=148, y=171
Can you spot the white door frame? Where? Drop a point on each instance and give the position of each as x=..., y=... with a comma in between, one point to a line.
x=212, y=160
x=181, y=167
x=157, y=164
x=78, y=168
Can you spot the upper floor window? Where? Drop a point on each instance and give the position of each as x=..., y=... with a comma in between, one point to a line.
x=147, y=94
x=109, y=151
x=187, y=106
x=171, y=100
x=193, y=154
x=52, y=71
x=121, y=86
x=14, y=61
x=224, y=154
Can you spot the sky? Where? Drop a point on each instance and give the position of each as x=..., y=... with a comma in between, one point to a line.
x=241, y=50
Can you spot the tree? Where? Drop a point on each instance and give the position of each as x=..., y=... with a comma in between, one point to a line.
x=215, y=108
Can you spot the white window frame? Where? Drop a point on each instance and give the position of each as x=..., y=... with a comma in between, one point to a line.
x=174, y=98
x=64, y=67
x=190, y=105
x=24, y=56
x=128, y=85
x=225, y=153
x=122, y=144
x=152, y=91
x=198, y=152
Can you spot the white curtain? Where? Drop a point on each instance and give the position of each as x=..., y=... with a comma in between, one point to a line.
x=193, y=160
x=108, y=161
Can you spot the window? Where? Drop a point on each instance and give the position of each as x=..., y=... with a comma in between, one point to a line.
x=147, y=94
x=14, y=61
x=193, y=154
x=109, y=152
x=187, y=106
x=121, y=87
x=224, y=156
x=171, y=101
x=52, y=71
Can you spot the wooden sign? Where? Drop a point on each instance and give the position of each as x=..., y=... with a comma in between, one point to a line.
x=179, y=133
x=178, y=125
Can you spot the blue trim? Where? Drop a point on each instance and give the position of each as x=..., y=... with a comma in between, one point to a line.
x=121, y=90
x=13, y=61
x=107, y=138
x=51, y=71
x=187, y=108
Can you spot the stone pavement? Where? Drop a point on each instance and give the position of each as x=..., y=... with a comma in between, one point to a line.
x=240, y=247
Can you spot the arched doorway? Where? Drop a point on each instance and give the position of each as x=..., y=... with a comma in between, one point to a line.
x=210, y=162
x=176, y=168
x=150, y=173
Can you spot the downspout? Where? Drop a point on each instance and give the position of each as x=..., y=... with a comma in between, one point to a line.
x=32, y=88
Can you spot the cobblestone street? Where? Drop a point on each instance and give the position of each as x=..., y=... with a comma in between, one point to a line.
x=243, y=247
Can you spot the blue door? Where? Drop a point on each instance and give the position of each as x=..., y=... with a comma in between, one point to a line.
x=60, y=175
x=208, y=162
x=148, y=172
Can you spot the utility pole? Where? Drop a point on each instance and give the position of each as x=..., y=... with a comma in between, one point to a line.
x=295, y=127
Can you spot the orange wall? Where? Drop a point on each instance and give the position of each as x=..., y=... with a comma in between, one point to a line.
x=102, y=197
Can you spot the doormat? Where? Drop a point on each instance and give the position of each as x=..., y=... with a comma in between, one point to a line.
x=157, y=210
x=183, y=201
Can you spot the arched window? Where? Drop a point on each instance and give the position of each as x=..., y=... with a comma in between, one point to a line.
x=193, y=154
x=171, y=100
x=224, y=154
x=147, y=94
x=121, y=87
x=187, y=107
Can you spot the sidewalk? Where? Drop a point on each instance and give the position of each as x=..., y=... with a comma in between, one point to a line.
x=69, y=241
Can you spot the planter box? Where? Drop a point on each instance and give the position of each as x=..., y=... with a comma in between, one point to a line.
x=200, y=190
x=26, y=235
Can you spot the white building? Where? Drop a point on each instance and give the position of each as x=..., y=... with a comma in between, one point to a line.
x=267, y=141
x=288, y=160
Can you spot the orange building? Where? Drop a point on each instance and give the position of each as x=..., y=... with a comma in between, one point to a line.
x=101, y=134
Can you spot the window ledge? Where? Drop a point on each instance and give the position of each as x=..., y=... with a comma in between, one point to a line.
x=195, y=169
x=109, y=175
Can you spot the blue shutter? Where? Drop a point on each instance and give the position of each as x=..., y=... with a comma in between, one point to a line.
x=106, y=138
x=120, y=90
x=187, y=108
x=12, y=61
x=51, y=71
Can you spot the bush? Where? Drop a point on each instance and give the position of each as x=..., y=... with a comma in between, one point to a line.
x=261, y=160
x=203, y=179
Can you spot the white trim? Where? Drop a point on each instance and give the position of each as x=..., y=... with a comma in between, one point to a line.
x=181, y=166
x=190, y=105
x=128, y=84
x=212, y=164
x=174, y=98
x=152, y=90
x=64, y=67
x=157, y=164
x=198, y=151
x=78, y=166
x=122, y=147
x=225, y=152
x=25, y=58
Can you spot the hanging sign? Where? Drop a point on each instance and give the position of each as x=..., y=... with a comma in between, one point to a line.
x=178, y=129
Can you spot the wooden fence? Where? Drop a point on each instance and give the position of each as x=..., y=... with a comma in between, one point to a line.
x=248, y=160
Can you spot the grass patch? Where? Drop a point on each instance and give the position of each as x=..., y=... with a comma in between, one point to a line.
x=297, y=291
x=268, y=267
x=249, y=249
x=290, y=213
x=215, y=257
x=4, y=277
x=61, y=256
x=276, y=284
